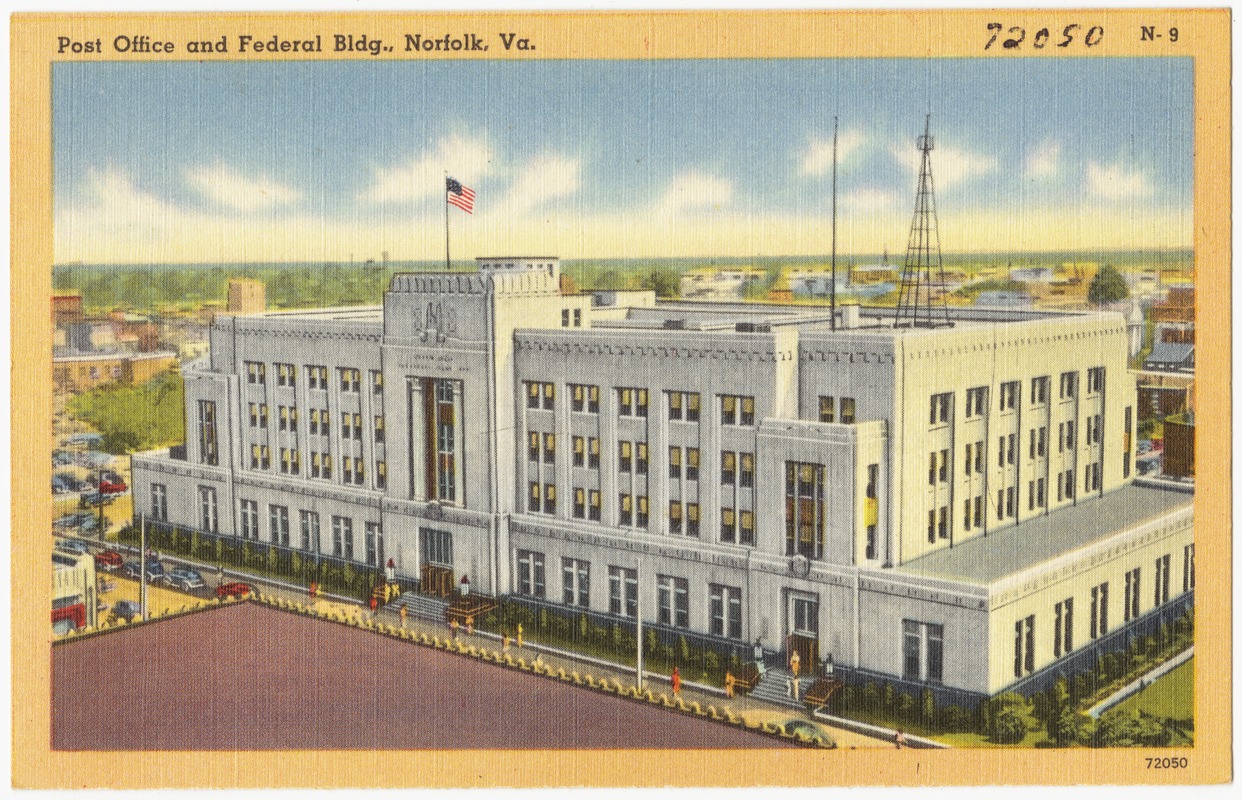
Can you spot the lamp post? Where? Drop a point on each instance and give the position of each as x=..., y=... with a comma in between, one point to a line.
x=638, y=628
x=465, y=585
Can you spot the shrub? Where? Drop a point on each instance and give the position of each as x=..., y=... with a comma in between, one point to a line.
x=683, y=649
x=1007, y=727
x=872, y=697
x=889, y=697
x=954, y=718
x=905, y=705
x=1117, y=728
x=928, y=708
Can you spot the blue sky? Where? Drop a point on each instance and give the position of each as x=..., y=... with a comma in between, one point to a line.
x=281, y=161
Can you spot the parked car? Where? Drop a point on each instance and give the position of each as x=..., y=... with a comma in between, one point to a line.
x=184, y=578
x=96, y=499
x=234, y=589
x=155, y=571
x=126, y=610
x=111, y=483
x=61, y=458
x=108, y=560
x=810, y=730
x=73, y=546
x=67, y=521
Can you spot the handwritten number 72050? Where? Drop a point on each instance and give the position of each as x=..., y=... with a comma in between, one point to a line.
x=1016, y=35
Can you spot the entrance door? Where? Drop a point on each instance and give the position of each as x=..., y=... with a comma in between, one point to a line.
x=802, y=634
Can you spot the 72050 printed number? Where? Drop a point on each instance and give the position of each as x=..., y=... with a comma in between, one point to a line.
x=1176, y=762
x=1017, y=35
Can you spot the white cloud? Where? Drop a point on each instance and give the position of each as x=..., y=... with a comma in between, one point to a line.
x=870, y=199
x=1045, y=160
x=949, y=165
x=231, y=189
x=1116, y=181
x=694, y=191
x=817, y=158
x=543, y=179
x=465, y=159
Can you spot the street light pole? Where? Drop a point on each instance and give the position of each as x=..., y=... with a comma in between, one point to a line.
x=638, y=618
x=142, y=565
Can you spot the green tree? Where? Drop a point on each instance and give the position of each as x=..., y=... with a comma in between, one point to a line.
x=666, y=283
x=1107, y=286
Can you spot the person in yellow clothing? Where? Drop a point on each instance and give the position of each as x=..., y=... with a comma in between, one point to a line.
x=795, y=663
x=403, y=613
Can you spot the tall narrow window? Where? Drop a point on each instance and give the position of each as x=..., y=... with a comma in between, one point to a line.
x=531, y=574
x=1133, y=588
x=674, y=601
x=208, y=449
x=922, y=651
x=375, y=544
x=804, y=509
x=208, y=519
x=1063, y=627
x=1024, y=647
x=1099, y=610
x=575, y=582
x=725, y=611
x=310, y=531
x=623, y=592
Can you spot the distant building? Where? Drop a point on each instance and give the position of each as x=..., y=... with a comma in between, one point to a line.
x=1171, y=357
x=1031, y=274
x=66, y=307
x=80, y=372
x=1003, y=299
x=246, y=296
x=875, y=273
x=1179, y=446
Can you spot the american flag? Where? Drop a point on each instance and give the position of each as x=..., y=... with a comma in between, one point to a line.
x=460, y=196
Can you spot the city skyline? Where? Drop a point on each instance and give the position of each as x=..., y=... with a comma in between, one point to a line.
x=282, y=161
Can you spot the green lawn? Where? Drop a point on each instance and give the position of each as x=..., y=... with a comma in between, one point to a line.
x=1171, y=695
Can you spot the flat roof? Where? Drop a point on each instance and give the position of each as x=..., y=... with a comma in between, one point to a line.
x=985, y=559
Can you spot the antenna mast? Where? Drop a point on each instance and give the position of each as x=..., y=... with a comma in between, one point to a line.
x=833, y=288
x=915, y=306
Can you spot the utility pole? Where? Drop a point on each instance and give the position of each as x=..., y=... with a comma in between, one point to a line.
x=833, y=321
x=638, y=617
x=142, y=566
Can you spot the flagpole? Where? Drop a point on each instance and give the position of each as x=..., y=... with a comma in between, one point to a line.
x=448, y=263
x=834, y=224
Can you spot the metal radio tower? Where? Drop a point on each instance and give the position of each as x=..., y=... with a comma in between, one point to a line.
x=915, y=307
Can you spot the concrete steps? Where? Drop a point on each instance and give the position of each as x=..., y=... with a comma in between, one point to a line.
x=773, y=688
x=422, y=606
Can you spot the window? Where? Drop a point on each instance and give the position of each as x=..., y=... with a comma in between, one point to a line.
x=577, y=318
x=1125, y=451
x=804, y=509
x=940, y=408
x=375, y=544
x=1068, y=385
x=623, y=592
x=674, y=516
x=692, y=519
x=1009, y=396
x=979, y=511
x=256, y=372
x=316, y=376
x=1099, y=610
x=1039, y=390
x=437, y=547
x=827, y=409
x=381, y=475
x=549, y=498
x=579, y=451
x=968, y=462
x=379, y=430
x=674, y=601
x=922, y=651
x=540, y=395
x=746, y=528
x=258, y=415
x=625, y=456
x=644, y=511
x=260, y=457
x=976, y=401
x=1040, y=499
x=944, y=466
x=289, y=418
x=674, y=462
x=1069, y=484
x=1063, y=627
x=549, y=448
x=1095, y=380
x=737, y=410
x=966, y=514
x=1188, y=568
x=746, y=479
x=207, y=518
x=249, y=519
x=1011, y=501
x=683, y=406
x=534, y=504
x=1132, y=594
x=1000, y=504
x=576, y=582
x=728, y=467
x=377, y=382
x=593, y=511
x=531, y=574
x=564, y=317
x=208, y=450
x=725, y=604
x=310, y=530
x=942, y=526
x=625, y=506
x=343, y=537
x=278, y=525
x=532, y=449
x=351, y=379
x=847, y=411
x=593, y=453
x=290, y=461
x=1161, y=583
x=1024, y=647
x=632, y=402
x=728, y=525
x=286, y=375
x=1042, y=449
x=692, y=463
x=159, y=502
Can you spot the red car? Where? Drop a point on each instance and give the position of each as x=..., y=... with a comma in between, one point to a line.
x=235, y=589
x=108, y=560
x=112, y=485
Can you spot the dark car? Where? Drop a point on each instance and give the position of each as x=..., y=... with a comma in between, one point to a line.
x=72, y=546
x=810, y=730
x=126, y=610
x=155, y=571
x=96, y=499
x=234, y=589
x=185, y=579
x=108, y=560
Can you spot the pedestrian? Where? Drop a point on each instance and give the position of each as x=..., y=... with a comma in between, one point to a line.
x=519, y=635
x=676, y=681
x=219, y=574
x=314, y=590
x=729, y=681
x=454, y=625
x=470, y=624
x=403, y=612
x=899, y=739
x=795, y=663
x=374, y=605
x=505, y=646
x=792, y=686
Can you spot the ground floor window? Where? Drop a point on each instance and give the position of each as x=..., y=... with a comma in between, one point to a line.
x=437, y=547
x=922, y=651
x=343, y=537
x=310, y=531
x=726, y=610
x=674, y=597
x=623, y=592
x=278, y=524
x=531, y=574
x=249, y=519
x=375, y=544
x=208, y=520
x=1063, y=627
x=576, y=582
x=1024, y=646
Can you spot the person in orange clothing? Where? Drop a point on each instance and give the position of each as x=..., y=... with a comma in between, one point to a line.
x=676, y=681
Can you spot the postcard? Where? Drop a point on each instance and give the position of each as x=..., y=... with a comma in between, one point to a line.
x=797, y=398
